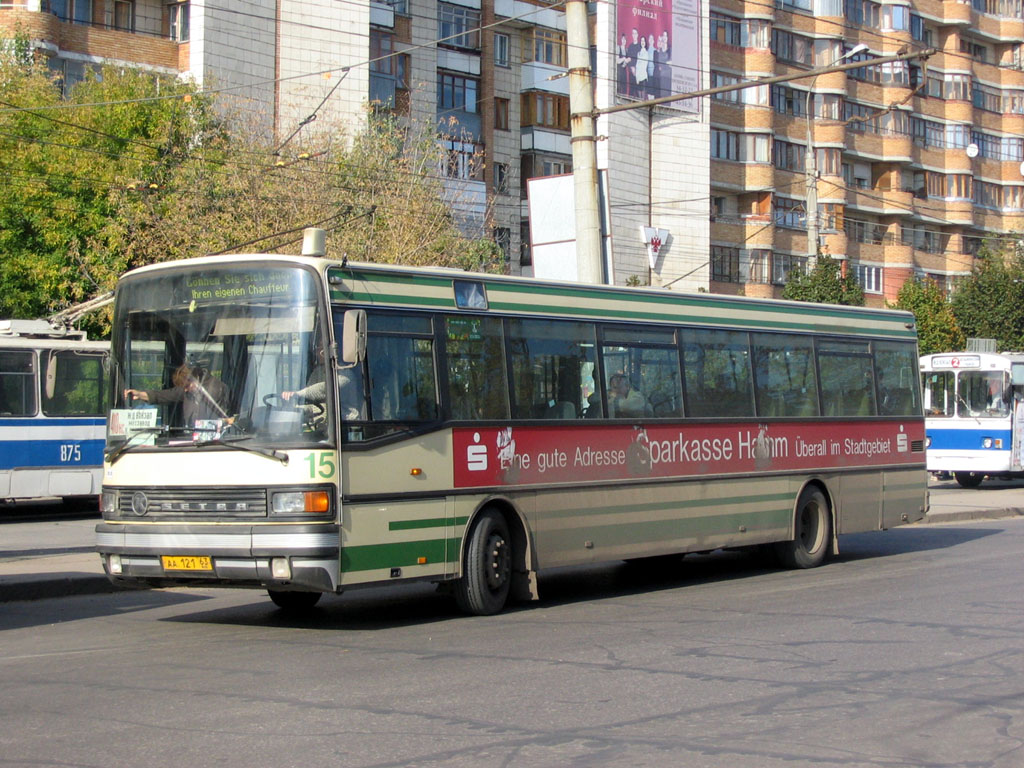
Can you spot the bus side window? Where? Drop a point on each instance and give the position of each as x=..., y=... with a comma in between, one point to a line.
x=552, y=369
x=17, y=383
x=78, y=388
x=898, y=393
x=847, y=378
x=477, y=386
x=716, y=368
x=784, y=380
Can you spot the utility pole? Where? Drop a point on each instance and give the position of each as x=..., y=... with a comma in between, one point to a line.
x=811, y=165
x=590, y=264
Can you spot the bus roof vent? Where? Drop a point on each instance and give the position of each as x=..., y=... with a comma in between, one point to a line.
x=981, y=345
x=314, y=242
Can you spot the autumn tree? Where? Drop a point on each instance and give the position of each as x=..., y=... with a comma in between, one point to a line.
x=129, y=168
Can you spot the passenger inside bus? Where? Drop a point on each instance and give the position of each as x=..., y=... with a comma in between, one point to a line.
x=623, y=400
x=202, y=395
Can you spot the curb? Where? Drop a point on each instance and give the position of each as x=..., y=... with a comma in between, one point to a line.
x=46, y=586
x=973, y=514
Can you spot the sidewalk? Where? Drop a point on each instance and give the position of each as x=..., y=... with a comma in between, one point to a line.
x=50, y=559
x=58, y=558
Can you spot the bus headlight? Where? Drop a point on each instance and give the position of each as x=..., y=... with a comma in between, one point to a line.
x=301, y=502
x=927, y=442
x=114, y=565
x=986, y=443
x=108, y=502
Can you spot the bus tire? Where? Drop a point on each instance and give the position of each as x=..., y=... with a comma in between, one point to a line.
x=812, y=532
x=968, y=479
x=294, y=602
x=487, y=569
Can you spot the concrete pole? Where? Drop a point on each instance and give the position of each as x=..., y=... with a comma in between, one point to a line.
x=584, y=149
x=811, y=175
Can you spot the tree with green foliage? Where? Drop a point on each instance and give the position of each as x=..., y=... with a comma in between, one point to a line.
x=989, y=303
x=824, y=283
x=131, y=168
x=937, y=328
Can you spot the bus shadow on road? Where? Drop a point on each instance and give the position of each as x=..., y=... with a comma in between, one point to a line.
x=367, y=610
x=21, y=614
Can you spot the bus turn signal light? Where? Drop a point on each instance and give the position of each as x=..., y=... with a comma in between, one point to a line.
x=318, y=501
x=415, y=471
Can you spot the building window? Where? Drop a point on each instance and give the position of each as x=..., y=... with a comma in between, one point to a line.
x=546, y=46
x=178, y=24
x=743, y=147
x=503, y=238
x=457, y=92
x=124, y=15
x=783, y=264
x=387, y=69
x=725, y=264
x=869, y=278
x=788, y=46
x=760, y=266
x=756, y=94
x=464, y=160
x=949, y=186
x=501, y=174
x=789, y=156
x=458, y=26
x=788, y=213
x=545, y=110
x=788, y=101
x=77, y=11
x=501, y=114
x=895, y=17
x=502, y=49
x=741, y=33
x=525, y=257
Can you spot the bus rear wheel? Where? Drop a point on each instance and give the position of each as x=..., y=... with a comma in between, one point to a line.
x=969, y=479
x=294, y=602
x=812, y=531
x=487, y=570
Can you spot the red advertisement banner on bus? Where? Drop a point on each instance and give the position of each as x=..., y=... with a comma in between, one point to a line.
x=540, y=454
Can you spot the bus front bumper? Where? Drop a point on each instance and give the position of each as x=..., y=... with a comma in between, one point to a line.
x=280, y=557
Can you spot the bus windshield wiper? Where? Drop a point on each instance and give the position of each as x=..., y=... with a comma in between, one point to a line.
x=116, y=453
x=270, y=453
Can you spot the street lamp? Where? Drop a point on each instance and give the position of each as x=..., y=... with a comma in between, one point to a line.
x=811, y=165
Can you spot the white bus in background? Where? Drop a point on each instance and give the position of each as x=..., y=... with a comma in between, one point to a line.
x=52, y=424
x=974, y=414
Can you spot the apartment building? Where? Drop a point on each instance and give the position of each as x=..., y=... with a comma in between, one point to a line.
x=917, y=161
x=490, y=74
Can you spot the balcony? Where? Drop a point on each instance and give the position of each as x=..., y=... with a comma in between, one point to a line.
x=145, y=45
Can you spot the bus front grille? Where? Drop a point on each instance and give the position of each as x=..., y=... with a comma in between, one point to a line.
x=192, y=502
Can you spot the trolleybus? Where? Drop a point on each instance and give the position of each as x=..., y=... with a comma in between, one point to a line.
x=307, y=425
x=52, y=397
x=974, y=415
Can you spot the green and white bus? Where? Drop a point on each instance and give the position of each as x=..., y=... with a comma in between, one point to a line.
x=306, y=426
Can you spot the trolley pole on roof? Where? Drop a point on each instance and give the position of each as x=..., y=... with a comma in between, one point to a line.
x=590, y=267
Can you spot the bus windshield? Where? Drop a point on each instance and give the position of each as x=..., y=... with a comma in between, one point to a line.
x=217, y=355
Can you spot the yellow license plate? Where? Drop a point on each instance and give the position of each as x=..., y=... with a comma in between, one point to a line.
x=186, y=563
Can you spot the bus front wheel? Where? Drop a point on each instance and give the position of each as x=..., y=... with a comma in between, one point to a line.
x=487, y=570
x=812, y=531
x=969, y=479
x=294, y=602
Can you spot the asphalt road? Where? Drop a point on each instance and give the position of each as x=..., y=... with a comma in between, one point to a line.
x=906, y=651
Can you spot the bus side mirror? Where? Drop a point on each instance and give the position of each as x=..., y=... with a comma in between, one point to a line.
x=353, y=343
x=51, y=376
